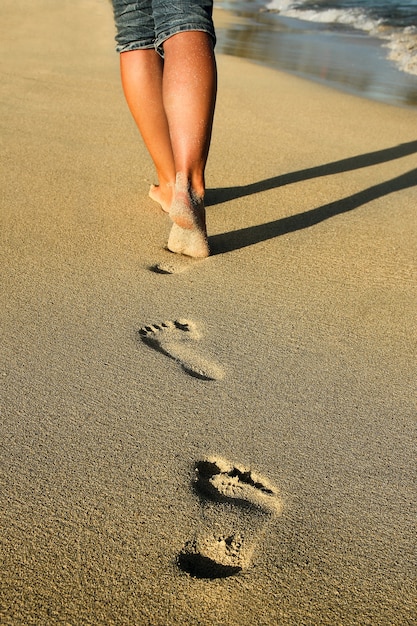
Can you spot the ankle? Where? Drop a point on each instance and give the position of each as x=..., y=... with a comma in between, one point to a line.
x=192, y=185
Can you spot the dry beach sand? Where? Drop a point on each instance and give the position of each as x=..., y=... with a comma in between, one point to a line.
x=290, y=351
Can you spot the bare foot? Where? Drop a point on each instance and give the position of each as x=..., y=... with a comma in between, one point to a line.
x=188, y=235
x=187, y=209
x=163, y=198
x=189, y=242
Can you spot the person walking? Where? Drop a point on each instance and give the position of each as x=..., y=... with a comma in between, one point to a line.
x=169, y=79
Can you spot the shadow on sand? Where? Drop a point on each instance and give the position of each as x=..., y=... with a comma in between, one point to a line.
x=234, y=240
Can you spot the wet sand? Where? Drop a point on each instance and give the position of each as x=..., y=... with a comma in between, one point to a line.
x=151, y=405
x=347, y=59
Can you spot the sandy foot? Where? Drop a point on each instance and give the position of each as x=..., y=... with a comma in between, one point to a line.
x=215, y=555
x=187, y=209
x=188, y=234
x=178, y=339
x=189, y=242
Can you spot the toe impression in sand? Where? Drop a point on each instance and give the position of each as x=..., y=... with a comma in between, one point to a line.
x=179, y=339
x=210, y=555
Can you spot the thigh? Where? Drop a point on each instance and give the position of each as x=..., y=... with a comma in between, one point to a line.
x=135, y=26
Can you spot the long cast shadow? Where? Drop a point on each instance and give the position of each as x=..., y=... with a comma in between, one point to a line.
x=220, y=195
x=234, y=240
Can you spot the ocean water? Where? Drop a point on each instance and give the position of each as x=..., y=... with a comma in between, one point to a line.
x=367, y=47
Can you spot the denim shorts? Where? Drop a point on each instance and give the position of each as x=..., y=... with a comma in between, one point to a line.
x=147, y=24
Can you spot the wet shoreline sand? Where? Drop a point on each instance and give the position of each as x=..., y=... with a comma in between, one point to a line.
x=118, y=457
x=349, y=60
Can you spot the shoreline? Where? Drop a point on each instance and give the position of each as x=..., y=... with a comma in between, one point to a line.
x=352, y=62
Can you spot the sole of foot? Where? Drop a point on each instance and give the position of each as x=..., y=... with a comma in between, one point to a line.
x=192, y=243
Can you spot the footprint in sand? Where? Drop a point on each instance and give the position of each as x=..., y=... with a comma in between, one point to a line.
x=168, y=268
x=222, y=548
x=179, y=339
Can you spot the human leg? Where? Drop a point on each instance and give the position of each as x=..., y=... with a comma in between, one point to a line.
x=141, y=72
x=172, y=102
x=189, y=95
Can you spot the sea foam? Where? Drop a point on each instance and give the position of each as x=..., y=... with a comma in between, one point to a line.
x=402, y=42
